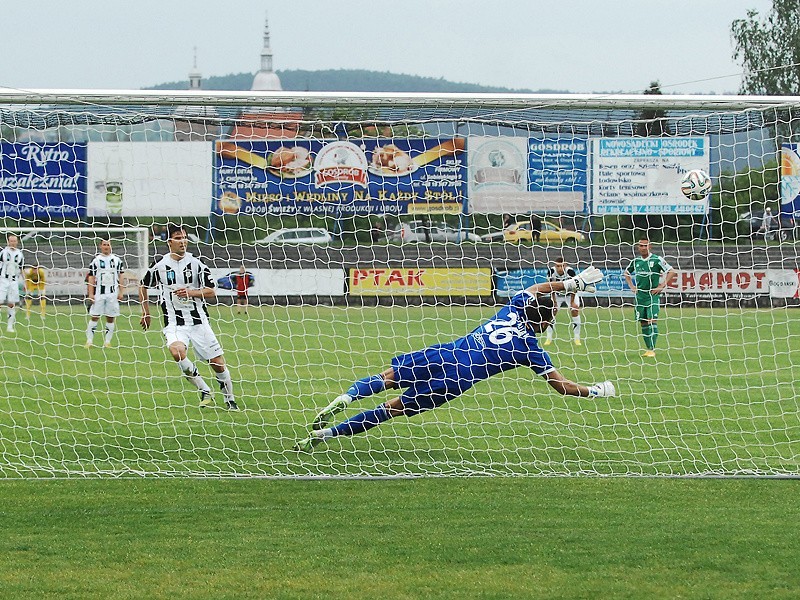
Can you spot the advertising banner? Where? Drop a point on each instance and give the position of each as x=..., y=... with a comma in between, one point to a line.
x=71, y=281
x=284, y=282
x=508, y=283
x=340, y=178
x=784, y=283
x=393, y=281
x=643, y=175
x=150, y=179
x=778, y=283
x=790, y=180
x=42, y=181
x=523, y=175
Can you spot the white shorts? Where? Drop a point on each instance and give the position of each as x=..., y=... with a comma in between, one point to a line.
x=105, y=305
x=206, y=345
x=563, y=300
x=9, y=291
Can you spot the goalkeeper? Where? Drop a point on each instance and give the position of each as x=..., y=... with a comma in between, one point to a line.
x=442, y=372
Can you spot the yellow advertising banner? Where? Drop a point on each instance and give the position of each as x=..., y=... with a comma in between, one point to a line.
x=402, y=281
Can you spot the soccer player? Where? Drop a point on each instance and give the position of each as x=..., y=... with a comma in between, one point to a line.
x=11, y=263
x=240, y=285
x=35, y=281
x=442, y=372
x=648, y=269
x=561, y=271
x=184, y=283
x=104, y=292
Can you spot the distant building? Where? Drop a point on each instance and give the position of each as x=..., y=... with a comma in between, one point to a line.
x=196, y=123
x=267, y=123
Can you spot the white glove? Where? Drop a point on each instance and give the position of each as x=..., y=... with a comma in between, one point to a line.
x=604, y=388
x=584, y=281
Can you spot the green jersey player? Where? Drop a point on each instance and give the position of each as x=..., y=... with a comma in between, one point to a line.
x=648, y=269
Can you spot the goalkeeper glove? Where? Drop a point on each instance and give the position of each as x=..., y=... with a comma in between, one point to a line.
x=604, y=388
x=584, y=281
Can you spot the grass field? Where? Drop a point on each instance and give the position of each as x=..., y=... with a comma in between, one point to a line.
x=720, y=398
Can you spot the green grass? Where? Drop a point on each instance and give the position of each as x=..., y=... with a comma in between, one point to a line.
x=426, y=538
x=719, y=398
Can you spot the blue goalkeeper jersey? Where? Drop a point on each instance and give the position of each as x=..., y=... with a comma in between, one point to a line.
x=500, y=344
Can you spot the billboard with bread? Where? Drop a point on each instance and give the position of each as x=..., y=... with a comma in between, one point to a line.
x=340, y=178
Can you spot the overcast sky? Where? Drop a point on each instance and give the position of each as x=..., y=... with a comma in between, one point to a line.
x=574, y=45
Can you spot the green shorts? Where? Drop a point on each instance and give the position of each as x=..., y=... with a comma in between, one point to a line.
x=647, y=306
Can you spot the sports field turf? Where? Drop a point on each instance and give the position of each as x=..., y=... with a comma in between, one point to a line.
x=720, y=397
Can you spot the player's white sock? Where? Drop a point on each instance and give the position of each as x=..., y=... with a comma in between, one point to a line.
x=325, y=434
x=109, y=332
x=576, y=327
x=550, y=333
x=12, y=317
x=191, y=373
x=226, y=385
x=90, y=329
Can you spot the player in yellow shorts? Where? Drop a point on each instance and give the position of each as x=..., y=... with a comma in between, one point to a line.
x=34, y=288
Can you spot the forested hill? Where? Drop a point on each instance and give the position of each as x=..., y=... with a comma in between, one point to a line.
x=346, y=80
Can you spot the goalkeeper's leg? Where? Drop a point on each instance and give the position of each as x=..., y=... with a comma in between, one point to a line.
x=409, y=404
x=362, y=388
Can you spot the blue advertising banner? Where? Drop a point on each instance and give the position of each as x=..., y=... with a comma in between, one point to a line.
x=42, y=180
x=513, y=175
x=508, y=283
x=339, y=178
x=557, y=164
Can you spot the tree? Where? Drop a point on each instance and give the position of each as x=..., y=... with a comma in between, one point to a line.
x=769, y=50
x=652, y=121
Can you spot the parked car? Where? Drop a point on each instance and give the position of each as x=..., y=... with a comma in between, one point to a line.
x=782, y=226
x=226, y=281
x=436, y=231
x=550, y=234
x=298, y=235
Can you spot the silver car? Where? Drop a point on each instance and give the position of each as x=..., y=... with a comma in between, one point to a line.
x=437, y=231
x=298, y=235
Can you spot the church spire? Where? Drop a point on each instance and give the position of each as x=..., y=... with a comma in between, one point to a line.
x=266, y=79
x=194, y=75
x=266, y=51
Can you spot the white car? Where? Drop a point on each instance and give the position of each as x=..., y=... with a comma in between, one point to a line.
x=418, y=231
x=298, y=235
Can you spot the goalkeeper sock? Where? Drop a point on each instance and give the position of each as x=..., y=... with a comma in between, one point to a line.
x=225, y=384
x=362, y=421
x=576, y=327
x=654, y=334
x=90, y=329
x=42, y=305
x=28, y=304
x=109, y=332
x=191, y=373
x=647, y=333
x=366, y=387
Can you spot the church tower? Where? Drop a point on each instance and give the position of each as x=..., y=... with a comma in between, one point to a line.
x=266, y=80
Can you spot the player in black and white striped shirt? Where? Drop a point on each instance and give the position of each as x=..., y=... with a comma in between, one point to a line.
x=561, y=271
x=104, y=292
x=11, y=263
x=184, y=283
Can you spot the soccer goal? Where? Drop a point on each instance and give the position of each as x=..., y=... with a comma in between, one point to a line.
x=345, y=232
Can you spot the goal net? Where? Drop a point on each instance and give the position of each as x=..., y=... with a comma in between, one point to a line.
x=342, y=231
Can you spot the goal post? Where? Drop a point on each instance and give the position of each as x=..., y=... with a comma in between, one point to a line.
x=342, y=230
